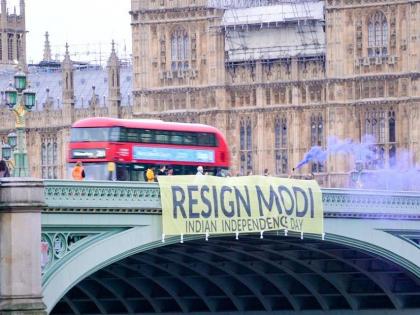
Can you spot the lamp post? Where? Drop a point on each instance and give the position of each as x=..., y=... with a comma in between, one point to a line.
x=20, y=101
x=356, y=175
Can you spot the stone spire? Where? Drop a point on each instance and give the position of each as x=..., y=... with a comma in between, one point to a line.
x=67, y=61
x=114, y=88
x=47, y=48
x=68, y=86
x=22, y=8
x=4, y=11
x=68, y=82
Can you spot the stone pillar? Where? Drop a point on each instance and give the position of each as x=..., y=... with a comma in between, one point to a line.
x=21, y=201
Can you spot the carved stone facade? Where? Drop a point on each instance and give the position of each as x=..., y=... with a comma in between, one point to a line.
x=366, y=82
x=12, y=35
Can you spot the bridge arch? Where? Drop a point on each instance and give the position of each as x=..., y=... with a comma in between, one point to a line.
x=274, y=273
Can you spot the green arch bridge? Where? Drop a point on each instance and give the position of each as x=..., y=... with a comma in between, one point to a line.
x=106, y=255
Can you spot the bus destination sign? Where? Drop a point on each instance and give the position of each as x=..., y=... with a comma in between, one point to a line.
x=169, y=154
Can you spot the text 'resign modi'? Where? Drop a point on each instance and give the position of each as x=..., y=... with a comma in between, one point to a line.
x=217, y=205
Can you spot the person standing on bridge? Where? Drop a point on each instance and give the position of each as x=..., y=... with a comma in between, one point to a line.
x=78, y=172
x=200, y=170
x=4, y=170
x=162, y=171
x=150, y=175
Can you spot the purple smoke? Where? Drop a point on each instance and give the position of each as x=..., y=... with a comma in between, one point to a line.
x=315, y=154
x=361, y=151
x=398, y=174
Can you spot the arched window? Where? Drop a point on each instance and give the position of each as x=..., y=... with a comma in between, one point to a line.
x=10, y=46
x=245, y=133
x=49, y=157
x=179, y=49
x=55, y=160
x=392, y=138
x=18, y=47
x=317, y=136
x=382, y=126
x=377, y=35
x=44, y=160
x=375, y=125
x=280, y=146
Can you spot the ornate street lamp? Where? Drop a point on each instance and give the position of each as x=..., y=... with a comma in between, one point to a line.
x=11, y=96
x=356, y=175
x=20, y=101
x=6, y=152
x=12, y=139
x=20, y=80
x=29, y=98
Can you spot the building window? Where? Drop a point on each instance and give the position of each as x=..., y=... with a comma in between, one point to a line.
x=283, y=95
x=280, y=146
x=392, y=88
x=382, y=126
x=179, y=49
x=268, y=97
x=392, y=138
x=10, y=46
x=303, y=94
x=49, y=158
x=377, y=35
x=18, y=47
x=349, y=86
x=246, y=146
x=315, y=93
x=276, y=97
x=317, y=136
x=162, y=53
x=232, y=99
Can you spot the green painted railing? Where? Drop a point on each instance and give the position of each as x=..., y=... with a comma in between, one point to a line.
x=101, y=196
x=140, y=197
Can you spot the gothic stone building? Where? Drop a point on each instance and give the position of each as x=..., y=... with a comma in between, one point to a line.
x=277, y=77
x=281, y=76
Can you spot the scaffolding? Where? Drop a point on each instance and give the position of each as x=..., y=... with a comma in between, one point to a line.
x=272, y=29
x=92, y=53
x=236, y=4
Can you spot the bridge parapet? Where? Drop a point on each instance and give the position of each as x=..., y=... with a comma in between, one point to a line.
x=371, y=204
x=101, y=197
x=135, y=197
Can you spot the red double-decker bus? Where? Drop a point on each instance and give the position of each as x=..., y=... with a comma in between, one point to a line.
x=123, y=149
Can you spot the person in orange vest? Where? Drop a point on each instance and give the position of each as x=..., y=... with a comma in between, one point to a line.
x=150, y=175
x=78, y=172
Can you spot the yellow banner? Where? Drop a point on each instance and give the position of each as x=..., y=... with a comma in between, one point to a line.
x=220, y=205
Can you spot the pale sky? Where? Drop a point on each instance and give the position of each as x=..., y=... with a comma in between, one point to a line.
x=87, y=25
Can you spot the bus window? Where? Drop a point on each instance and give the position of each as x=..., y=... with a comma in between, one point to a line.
x=205, y=139
x=114, y=134
x=132, y=135
x=176, y=137
x=146, y=136
x=162, y=136
x=190, y=138
x=122, y=134
x=90, y=134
